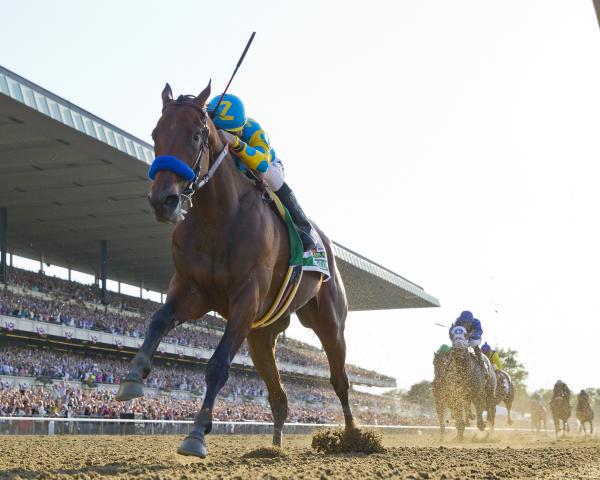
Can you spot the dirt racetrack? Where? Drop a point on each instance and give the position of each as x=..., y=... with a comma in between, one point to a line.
x=407, y=457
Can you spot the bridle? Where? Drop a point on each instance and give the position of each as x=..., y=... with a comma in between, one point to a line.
x=197, y=182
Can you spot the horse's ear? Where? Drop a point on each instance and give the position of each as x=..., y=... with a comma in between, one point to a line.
x=201, y=99
x=167, y=95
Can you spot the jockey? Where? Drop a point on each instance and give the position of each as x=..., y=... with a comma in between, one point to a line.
x=249, y=144
x=537, y=398
x=474, y=331
x=561, y=390
x=443, y=349
x=492, y=355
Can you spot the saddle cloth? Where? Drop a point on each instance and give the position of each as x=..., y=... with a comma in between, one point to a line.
x=314, y=260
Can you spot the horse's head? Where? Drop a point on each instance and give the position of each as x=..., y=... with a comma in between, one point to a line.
x=180, y=140
x=459, y=337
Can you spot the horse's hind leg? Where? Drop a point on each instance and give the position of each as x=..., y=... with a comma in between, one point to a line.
x=327, y=321
x=262, y=350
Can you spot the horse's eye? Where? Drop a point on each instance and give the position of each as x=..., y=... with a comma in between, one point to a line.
x=197, y=137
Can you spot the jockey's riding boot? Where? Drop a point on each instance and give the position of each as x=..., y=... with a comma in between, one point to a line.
x=303, y=225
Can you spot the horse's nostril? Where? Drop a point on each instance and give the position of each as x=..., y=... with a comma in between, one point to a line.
x=171, y=202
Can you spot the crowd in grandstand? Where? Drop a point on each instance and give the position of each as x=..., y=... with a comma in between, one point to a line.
x=77, y=305
x=76, y=386
x=64, y=400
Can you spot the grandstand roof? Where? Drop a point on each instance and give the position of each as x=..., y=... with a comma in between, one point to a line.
x=70, y=179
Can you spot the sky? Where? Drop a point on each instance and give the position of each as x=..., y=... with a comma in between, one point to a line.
x=452, y=142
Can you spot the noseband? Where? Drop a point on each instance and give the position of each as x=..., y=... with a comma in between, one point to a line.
x=179, y=167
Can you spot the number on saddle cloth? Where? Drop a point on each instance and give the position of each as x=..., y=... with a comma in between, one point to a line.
x=459, y=336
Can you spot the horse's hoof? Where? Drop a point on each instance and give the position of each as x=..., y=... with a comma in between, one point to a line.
x=193, y=447
x=129, y=390
x=510, y=422
x=277, y=438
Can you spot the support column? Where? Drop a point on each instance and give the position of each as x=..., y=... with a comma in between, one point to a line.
x=3, y=243
x=141, y=288
x=103, y=268
x=69, y=272
x=11, y=259
x=42, y=264
x=119, y=287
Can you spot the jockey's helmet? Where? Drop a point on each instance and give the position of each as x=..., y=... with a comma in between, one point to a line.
x=465, y=315
x=485, y=348
x=231, y=115
x=444, y=349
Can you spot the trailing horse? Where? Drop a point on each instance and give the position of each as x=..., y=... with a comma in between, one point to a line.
x=584, y=413
x=505, y=391
x=459, y=380
x=230, y=252
x=538, y=416
x=561, y=411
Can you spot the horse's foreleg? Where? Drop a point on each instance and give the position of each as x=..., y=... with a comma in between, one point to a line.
x=133, y=384
x=479, y=412
x=460, y=423
x=439, y=407
x=262, y=350
x=180, y=306
x=217, y=370
x=491, y=415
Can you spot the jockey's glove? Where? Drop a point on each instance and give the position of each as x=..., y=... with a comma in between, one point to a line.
x=228, y=138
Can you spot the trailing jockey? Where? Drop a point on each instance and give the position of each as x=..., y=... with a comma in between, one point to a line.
x=502, y=376
x=250, y=145
x=474, y=331
x=444, y=349
x=561, y=390
x=537, y=399
x=492, y=355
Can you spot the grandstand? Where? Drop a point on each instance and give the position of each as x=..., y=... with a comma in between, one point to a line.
x=73, y=193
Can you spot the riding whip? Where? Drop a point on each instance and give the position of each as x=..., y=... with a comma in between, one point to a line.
x=212, y=114
x=597, y=8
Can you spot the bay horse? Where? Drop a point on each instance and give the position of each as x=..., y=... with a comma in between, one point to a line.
x=584, y=413
x=230, y=253
x=538, y=416
x=561, y=411
x=460, y=380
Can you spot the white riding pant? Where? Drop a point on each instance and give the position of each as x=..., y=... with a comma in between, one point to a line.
x=474, y=342
x=275, y=175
